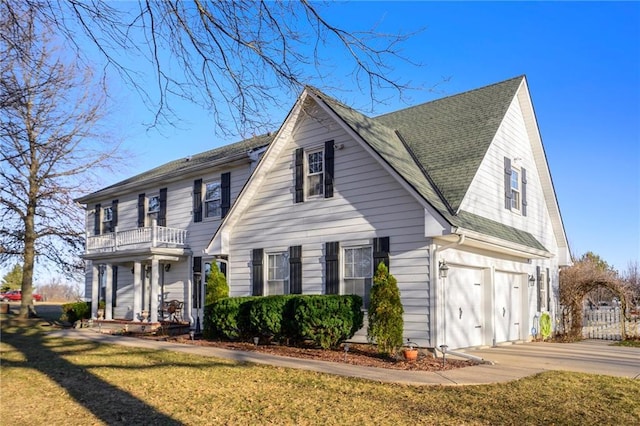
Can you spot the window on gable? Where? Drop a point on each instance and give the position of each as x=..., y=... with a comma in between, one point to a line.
x=315, y=173
x=515, y=189
x=278, y=273
x=212, y=200
x=358, y=272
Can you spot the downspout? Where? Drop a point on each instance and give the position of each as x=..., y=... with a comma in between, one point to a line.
x=436, y=262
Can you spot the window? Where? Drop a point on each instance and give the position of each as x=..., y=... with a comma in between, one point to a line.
x=278, y=273
x=358, y=271
x=212, y=204
x=107, y=218
x=153, y=205
x=543, y=292
x=515, y=189
x=315, y=173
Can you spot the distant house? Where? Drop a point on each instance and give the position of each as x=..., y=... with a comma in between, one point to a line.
x=455, y=195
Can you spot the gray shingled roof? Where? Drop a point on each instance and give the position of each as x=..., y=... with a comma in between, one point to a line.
x=437, y=147
x=185, y=165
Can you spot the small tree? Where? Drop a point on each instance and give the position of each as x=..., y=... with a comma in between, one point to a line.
x=12, y=279
x=385, y=312
x=217, y=287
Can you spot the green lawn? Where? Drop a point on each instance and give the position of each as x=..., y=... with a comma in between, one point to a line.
x=55, y=381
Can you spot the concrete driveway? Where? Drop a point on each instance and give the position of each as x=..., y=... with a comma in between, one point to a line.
x=588, y=356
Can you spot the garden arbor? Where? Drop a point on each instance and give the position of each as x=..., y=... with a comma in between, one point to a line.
x=577, y=281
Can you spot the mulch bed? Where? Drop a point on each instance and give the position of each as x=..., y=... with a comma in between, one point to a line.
x=358, y=354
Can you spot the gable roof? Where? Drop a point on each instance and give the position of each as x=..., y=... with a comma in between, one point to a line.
x=437, y=147
x=218, y=156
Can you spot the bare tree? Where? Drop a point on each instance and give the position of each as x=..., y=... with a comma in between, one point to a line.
x=632, y=277
x=50, y=143
x=230, y=57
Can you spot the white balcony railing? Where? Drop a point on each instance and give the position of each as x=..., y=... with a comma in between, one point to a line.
x=146, y=237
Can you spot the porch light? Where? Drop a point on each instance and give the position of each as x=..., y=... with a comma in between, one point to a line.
x=532, y=280
x=167, y=267
x=443, y=269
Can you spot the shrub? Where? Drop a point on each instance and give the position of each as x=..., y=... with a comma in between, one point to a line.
x=75, y=311
x=385, y=312
x=217, y=287
x=228, y=318
x=327, y=320
x=267, y=316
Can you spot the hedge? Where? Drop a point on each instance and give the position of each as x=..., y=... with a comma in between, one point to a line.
x=327, y=320
x=75, y=311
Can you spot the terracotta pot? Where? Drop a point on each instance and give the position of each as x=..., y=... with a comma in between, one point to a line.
x=410, y=354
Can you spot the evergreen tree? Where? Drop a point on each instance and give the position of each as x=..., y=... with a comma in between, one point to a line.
x=12, y=279
x=217, y=287
x=385, y=312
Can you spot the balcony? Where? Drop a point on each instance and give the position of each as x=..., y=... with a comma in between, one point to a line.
x=144, y=238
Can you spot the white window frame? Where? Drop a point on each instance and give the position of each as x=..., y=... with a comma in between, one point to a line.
x=367, y=275
x=542, y=294
x=206, y=201
x=516, y=192
x=149, y=204
x=282, y=281
x=313, y=189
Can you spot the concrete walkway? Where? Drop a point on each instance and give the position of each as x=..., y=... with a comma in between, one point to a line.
x=509, y=362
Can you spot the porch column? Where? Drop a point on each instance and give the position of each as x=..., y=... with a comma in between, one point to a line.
x=155, y=284
x=137, y=290
x=95, y=285
x=108, y=306
x=188, y=303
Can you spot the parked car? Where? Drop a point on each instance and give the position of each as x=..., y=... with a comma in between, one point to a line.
x=16, y=296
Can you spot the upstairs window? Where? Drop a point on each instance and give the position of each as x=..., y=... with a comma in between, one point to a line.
x=107, y=219
x=358, y=272
x=315, y=173
x=515, y=186
x=212, y=200
x=278, y=273
x=153, y=204
x=515, y=189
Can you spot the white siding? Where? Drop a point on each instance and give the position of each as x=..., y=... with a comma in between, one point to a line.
x=367, y=203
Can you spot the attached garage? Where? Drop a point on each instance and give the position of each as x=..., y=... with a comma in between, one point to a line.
x=507, y=307
x=463, y=307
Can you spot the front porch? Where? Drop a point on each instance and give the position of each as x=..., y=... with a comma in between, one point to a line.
x=124, y=327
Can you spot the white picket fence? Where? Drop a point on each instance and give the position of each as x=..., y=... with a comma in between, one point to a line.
x=606, y=324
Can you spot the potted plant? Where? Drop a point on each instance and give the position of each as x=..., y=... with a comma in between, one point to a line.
x=101, y=307
x=410, y=351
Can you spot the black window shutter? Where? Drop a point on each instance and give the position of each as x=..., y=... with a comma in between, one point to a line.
x=96, y=220
x=524, y=191
x=197, y=200
x=114, y=215
x=299, y=195
x=114, y=286
x=225, y=186
x=548, y=284
x=328, y=169
x=196, y=295
x=332, y=266
x=295, y=269
x=380, y=252
x=539, y=286
x=162, y=214
x=507, y=183
x=223, y=268
x=141, y=210
x=257, y=276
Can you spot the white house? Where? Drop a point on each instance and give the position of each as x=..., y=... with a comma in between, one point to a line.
x=458, y=186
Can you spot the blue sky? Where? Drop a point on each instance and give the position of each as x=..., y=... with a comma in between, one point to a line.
x=582, y=62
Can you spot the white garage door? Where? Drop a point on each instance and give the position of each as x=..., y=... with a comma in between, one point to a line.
x=508, y=307
x=463, y=315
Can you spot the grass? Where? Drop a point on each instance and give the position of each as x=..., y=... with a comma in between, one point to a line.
x=55, y=381
x=631, y=343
